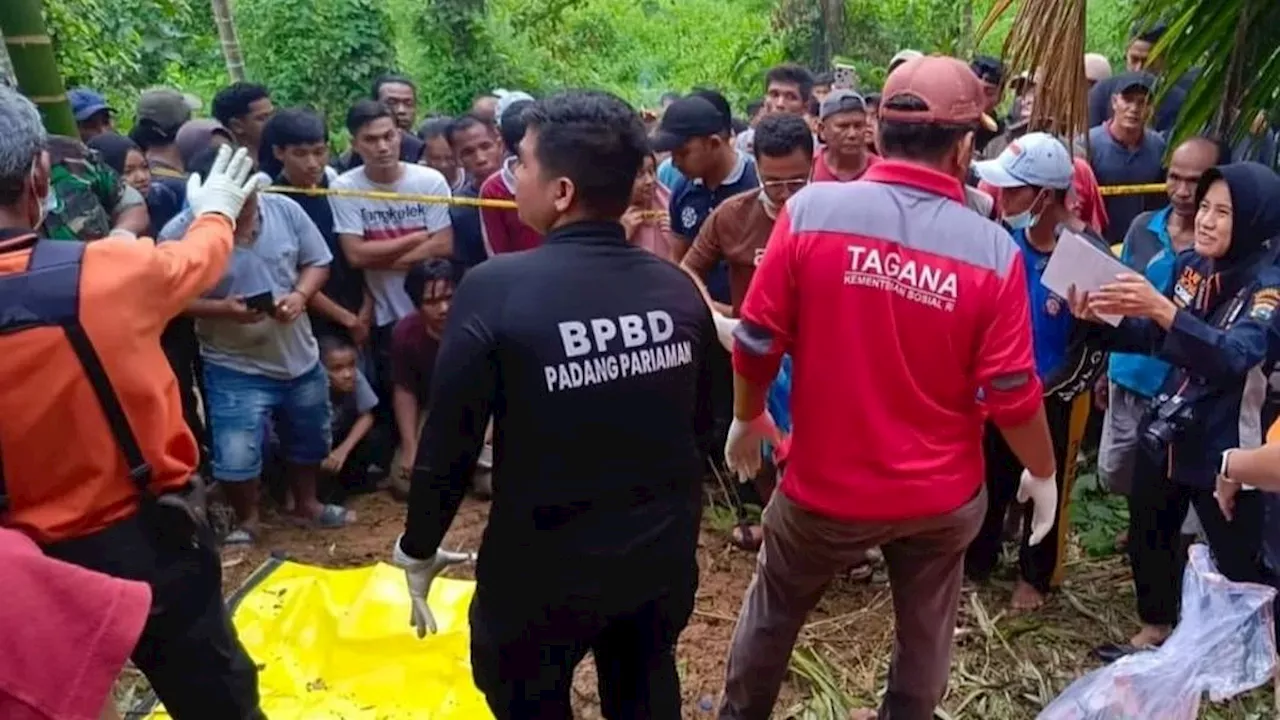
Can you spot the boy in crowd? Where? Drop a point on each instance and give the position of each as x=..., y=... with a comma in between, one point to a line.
x=478, y=148
x=414, y=345
x=503, y=231
x=261, y=362
x=351, y=404
x=386, y=238
x=299, y=142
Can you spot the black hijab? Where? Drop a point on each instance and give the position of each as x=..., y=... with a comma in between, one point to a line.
x=1255, y=209
x=114, y=149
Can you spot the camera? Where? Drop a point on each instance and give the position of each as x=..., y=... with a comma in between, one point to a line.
x=1170, y=416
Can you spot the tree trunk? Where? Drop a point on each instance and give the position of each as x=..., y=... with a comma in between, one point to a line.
x=227, y=36
x=31, y=52
x=834, y=21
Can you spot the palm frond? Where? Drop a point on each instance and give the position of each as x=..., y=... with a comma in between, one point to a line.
x=1236, y=46
x=1048, y=38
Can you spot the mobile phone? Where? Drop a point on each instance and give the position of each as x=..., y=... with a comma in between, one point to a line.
x=263, y=302
x=845, y=77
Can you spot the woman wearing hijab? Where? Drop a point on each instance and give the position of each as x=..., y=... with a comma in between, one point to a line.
x=1216, y=327
x=127, y=159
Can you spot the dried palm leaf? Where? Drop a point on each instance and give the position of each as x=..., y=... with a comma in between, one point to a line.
x=1047, y=41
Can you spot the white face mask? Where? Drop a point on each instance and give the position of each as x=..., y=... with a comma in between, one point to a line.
x=770, y=207
x=1024, y=220
x=48, y=204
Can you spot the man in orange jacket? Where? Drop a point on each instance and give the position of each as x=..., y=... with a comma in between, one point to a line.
x=96, y=462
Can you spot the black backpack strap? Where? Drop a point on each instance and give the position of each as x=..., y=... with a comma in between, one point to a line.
x=51, y=253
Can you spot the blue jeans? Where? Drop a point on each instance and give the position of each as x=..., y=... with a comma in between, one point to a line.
x=239, y=406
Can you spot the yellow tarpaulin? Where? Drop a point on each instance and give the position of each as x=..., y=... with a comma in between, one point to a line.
x=338, y=644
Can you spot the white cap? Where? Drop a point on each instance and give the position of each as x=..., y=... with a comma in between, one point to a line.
x=1037, y=159
x=1096, y=67
x=507, y=98
x=902, y=56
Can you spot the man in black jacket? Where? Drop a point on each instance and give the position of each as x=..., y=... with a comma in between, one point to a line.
x=590, y=355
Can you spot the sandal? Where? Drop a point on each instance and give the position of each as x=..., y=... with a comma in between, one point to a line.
x=744, y=539
x=240, y=537
x=331, y=517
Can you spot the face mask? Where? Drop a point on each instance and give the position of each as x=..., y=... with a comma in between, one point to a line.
x=48, y=204
x=770, y=207
x=1024, y=220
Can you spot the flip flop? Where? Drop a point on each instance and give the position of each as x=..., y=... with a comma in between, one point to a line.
x=745, y=540
x=331, y=517
x=239, y=538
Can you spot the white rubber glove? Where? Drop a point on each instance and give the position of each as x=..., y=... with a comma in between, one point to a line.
x=231, y=181
x=419, y=574
x=744, y=449
x=724, y=329
x=1043, y=493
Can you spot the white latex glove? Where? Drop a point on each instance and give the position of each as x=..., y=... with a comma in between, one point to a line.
x=1043, y=493
x=724, y=329
x=419, y=575
x=744, y=450
x=231, y=181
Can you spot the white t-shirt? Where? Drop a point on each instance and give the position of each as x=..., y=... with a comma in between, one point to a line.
x=381, y=220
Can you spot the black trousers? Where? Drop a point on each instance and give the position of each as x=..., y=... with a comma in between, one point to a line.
x=380, y=345
x=182, y=350
x=1040, y=565
x=188, y=649
x=525, y=669
x=1157, y=507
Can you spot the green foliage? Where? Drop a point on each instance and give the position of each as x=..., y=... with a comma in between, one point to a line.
x=321, y=53
x=448, y=51
x=1097, y=516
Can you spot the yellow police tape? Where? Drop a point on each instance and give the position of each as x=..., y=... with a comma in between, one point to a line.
x=1106, y=190
x=338, y=644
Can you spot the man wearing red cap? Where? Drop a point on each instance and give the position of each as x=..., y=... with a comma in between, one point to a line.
x=906, y=315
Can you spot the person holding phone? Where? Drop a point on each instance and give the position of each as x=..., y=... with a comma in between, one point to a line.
x=262, y=362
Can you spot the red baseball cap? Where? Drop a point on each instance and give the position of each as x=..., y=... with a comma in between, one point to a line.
x=951, y=93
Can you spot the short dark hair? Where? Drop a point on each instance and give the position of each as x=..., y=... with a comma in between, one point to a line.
x=435, y=127
x=462, y=123
x=825, y=78
x=233, y=101
x=739, y=125
x=872, y=100
x=717, y=100
x=754, y=107
x=791, y=74
x=913, y=140
x=595, y=140
x=513, y=122
x=391, y=79
x=423, y=274
x=295, y=126
x=365, y=112
x=781, y=134
x=330, y=343
x=815, y=107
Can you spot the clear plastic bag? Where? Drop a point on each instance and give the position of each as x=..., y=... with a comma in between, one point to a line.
x=1224, y=645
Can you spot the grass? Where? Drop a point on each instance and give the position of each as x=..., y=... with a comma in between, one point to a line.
x=1005, y=666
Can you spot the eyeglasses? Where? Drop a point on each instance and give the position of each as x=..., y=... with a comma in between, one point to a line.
x=794, y=184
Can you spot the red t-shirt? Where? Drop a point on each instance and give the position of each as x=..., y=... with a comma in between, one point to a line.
x=501, y=227
x=822, y=173
x=65, y=633
x=413, y=356
x=906, y=317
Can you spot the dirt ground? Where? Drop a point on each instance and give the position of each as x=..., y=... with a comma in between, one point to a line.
x=703, y=646
x=1006, y=666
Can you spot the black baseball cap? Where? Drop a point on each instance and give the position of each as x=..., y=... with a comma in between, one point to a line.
x=988, y=69
x=1130, y=80
x=686, y=119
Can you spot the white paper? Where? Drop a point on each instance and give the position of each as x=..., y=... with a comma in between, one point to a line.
x=1078, y=262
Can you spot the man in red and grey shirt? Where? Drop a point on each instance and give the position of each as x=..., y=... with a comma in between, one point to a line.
x=906, y=315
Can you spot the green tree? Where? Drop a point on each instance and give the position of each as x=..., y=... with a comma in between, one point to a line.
x=320, y=53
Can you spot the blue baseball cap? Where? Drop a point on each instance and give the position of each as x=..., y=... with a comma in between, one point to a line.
x=86, y=103
x=1037, y=159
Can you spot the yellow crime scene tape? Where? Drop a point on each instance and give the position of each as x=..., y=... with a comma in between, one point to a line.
x=1106, y=190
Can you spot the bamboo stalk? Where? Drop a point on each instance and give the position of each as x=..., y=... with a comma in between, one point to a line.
x=34, y=65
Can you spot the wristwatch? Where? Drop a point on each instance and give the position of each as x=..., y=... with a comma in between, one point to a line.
x=1222, y=466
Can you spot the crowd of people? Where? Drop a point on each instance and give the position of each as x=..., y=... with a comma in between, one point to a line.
x=833, y=305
